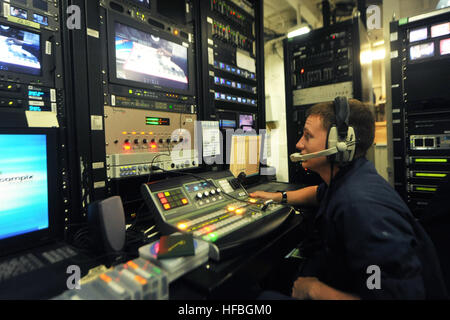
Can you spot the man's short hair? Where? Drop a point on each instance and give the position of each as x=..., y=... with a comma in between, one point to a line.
x=361, y=118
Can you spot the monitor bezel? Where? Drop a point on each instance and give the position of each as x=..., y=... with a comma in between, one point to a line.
x=39, y=237
x=112, y=19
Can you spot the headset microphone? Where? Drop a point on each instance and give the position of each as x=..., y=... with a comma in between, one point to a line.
x=340, y=147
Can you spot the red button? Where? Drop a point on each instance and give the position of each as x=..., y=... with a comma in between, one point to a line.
x=161, y=195
x=163, y=200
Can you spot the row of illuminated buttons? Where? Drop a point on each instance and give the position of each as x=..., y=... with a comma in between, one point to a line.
x=232, y=227
x=230, y=208
x=215, y=226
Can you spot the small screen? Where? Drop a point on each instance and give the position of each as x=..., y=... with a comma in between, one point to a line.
x=245, y=154
x=211, y=138
x=418, y=34
x=40, y=19
x=20, y=51
x=440, y=29
x=422, y=51
x=149, y=59
x=23, y=184
x=40, y=4
x=227, y=124
x=19, y=13
x=445, y=46
x=246, y=122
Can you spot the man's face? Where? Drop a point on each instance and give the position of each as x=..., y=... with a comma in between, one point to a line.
x=313, y=140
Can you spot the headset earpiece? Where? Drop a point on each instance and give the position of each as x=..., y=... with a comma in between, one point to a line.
x=341, y=135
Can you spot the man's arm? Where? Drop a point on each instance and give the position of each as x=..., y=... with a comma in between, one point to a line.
x=303, y=197
x=312, y=288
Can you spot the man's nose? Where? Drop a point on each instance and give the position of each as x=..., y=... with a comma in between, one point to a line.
x=300, y=145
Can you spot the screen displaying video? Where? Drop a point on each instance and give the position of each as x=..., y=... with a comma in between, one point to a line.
x=246, y=122
x=20, y=51
x=19, y=13
x=445, y=46
x=145, y=58
x=418, y=34
x=40, y=19
x=421, y=51
x=440, y=30
x=23, y=184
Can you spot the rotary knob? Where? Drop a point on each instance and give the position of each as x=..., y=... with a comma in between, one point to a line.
x=213, y=192
x=199, y=195
x=206, y=194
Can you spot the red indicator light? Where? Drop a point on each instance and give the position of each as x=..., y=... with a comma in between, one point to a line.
x=127, y=147
x=302, y=71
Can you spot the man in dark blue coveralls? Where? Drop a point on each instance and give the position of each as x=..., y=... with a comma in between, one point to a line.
x=370, y=245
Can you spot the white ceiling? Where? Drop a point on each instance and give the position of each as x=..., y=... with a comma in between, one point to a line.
x=282, y=15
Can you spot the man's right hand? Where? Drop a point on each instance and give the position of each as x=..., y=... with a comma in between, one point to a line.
x=276, y=196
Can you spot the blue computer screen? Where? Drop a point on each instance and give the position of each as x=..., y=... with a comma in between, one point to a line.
x=23, y=184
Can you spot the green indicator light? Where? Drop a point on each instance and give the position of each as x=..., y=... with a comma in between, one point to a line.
x=212, y=237
x=425, y=189
x=431, y=160
x=402, y=21
x=170, y=107
x=431, y=175
x=157, y=270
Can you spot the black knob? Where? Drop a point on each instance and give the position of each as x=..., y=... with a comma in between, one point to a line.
x=153, y=141
x=136, y=141
x=144, y=141
x=168, y=140
x=161, y=140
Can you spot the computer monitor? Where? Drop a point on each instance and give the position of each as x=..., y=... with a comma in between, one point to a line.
x=245, y=154
x=28, y=188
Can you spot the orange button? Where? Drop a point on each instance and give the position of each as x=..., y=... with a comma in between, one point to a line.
x=184, y=201
x=167, y=206
x=163, y=200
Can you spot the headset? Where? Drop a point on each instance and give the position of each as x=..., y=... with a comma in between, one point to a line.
x=341, y=138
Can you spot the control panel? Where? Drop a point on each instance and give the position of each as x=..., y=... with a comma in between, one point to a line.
x=137, y=139
x=213, y=207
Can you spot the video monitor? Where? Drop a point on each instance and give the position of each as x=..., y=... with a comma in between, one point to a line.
x=418, y=34
x=421, y=51
x=246, y=122
x=18, y=12
x=40, y=4
x=445, y=46
x=149, y=59
x=440, y=29
x=43, y=20
x=245, y=154
x=20, y=50
x=27, y=185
